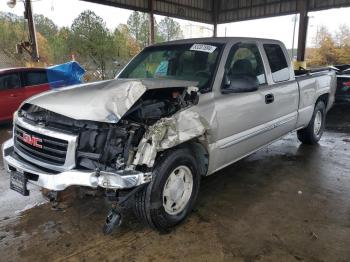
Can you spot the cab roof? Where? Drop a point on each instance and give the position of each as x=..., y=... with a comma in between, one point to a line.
x=219, y=40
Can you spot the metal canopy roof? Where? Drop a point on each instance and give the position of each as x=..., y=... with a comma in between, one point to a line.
x=223, y=11
x=195, y=10
x=238, y=10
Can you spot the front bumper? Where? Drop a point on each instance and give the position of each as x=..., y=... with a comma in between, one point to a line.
x=60, y=181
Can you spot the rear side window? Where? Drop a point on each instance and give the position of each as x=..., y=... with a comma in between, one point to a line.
x=278, y=63
x=9, y=81
x=35, y=78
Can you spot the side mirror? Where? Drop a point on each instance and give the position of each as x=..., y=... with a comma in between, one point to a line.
x=240, y=84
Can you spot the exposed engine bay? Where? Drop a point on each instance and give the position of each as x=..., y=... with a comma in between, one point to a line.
x=114, y=146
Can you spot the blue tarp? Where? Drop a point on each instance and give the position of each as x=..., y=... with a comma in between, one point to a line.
x=70, y=73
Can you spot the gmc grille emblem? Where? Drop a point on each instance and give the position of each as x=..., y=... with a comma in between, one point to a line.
x=31, y=140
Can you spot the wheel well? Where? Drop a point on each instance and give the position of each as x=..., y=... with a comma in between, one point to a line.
x=199, y=151
x=201, y=154
x=324, y=98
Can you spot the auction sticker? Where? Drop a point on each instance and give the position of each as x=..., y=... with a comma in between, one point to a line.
x=203, y=48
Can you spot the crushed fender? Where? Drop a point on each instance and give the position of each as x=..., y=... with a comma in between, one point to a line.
x=167, y=133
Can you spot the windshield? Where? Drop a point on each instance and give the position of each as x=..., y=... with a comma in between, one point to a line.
x=193, y=62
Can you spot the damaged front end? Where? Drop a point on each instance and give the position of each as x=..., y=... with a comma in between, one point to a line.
x=55, y=149
x=106, y=135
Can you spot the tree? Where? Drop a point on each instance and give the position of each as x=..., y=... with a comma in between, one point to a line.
x=139, y=28
x=12, y=32
x=61, y=46
x=88, y=39
x=125, y=45
x=325, y=51
x=330, y=49
x=342, y=38
x=92, y=41
x=45, y=26
x=169, y=29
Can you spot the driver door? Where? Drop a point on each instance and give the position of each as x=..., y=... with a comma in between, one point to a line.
x=243, y=124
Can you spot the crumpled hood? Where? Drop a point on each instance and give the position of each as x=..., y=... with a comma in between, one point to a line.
x=105, y=101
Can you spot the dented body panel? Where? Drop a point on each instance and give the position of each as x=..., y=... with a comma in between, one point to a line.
x=168, y=133
x=105, y=101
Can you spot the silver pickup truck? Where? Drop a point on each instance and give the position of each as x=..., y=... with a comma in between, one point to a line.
x=178, y=111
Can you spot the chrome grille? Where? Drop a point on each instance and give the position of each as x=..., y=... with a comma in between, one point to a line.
x=50, y=150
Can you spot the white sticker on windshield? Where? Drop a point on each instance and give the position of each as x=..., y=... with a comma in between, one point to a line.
x=203, y=48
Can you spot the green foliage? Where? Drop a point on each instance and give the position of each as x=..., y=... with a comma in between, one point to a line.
x=92, y=41
x=342, y=39
x=101, y=52
x=139, y=27
x=126, y=47
x=12, y=31
x=45, y=26
x=60, y=44
x=169, y=29
x=330, y=49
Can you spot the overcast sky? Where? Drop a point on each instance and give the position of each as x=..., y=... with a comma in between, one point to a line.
x=63, y=12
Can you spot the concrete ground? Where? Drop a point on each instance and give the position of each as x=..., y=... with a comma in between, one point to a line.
x=288, y=202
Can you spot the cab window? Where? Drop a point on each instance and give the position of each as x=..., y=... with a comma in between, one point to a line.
x=278, y=63
x=9, y=81
x=245, y=61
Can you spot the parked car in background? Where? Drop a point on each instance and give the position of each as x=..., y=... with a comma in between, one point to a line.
x=18, y=84
x=343, y=68
x=343, y=84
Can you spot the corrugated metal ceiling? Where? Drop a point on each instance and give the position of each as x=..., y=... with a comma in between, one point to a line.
x=222, y=11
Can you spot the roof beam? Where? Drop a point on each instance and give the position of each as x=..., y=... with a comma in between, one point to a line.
x=303, y=26
x=227, y=10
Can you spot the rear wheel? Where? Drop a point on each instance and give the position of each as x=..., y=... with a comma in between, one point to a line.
x=170, y=197
x=313, y=132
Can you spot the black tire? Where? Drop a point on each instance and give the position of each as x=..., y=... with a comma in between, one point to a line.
x=307, y=135
x=148, y=206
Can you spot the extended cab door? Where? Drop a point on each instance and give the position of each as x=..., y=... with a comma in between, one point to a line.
x=248, y=120
x=283, y=87
x=11, y=95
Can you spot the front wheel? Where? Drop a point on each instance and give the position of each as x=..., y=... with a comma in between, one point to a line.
x=170, y=197
x=313, y=132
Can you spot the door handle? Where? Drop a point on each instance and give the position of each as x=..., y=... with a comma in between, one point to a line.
x=269, y=98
